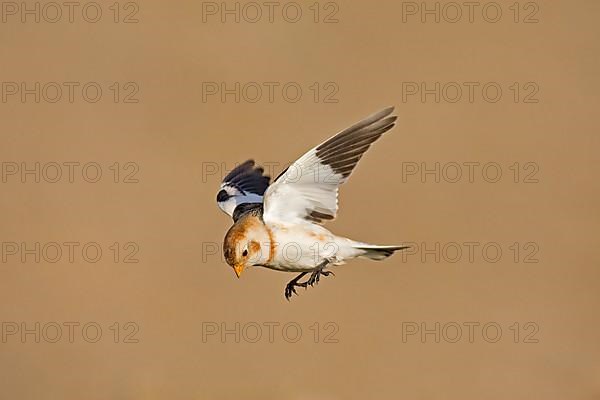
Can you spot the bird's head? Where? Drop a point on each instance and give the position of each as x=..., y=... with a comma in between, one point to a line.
x=246, y=244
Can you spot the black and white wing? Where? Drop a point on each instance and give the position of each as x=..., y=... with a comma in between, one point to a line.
x=308, y=189
x=244, y=184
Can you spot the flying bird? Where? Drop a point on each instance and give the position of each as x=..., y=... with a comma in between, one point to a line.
x=280, y=225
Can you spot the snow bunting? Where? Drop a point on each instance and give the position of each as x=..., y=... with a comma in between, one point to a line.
x=279, y=226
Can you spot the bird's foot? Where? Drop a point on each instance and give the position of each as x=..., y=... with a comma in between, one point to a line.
x=290, y=288
x=316, y=275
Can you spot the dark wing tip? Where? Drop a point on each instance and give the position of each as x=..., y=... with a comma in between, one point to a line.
x=245, y=166
x=248, y=178
x=377, y=116
x=343, y=151
x=387, y=111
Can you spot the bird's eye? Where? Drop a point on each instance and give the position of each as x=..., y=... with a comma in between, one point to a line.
x=245, y=253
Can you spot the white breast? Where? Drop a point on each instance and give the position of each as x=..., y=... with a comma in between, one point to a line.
x=302, y=247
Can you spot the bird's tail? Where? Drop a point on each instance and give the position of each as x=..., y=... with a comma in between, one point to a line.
x=378, y=253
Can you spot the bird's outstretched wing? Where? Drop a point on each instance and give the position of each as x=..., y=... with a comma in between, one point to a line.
x=308, y=189
x=244, y=184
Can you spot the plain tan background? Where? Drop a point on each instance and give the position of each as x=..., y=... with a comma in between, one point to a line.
x=172, y=135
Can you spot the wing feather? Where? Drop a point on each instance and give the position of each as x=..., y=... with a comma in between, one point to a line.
x=308, y=189
x=245, y=184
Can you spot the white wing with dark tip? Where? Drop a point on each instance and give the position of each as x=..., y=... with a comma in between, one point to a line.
x=308, y=189
x=244, y=184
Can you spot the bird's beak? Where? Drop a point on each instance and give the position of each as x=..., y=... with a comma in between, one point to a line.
x=238, y=268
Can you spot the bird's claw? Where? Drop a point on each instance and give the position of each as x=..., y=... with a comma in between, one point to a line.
x=290, y=288
x=315, y=276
